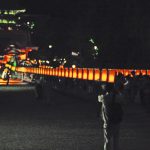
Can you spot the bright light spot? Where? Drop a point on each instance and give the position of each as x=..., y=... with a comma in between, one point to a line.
x=91, y=40
x=47, y=61
x=12, y=45
x=19, y=18
x=50, y=46
x=74, y=53
x=28, y=22
x=73, y=66
x=54, y=59
x=9, y=28
x=95, y=47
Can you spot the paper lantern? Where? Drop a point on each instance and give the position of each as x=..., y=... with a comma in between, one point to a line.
x=90, y=74
x=85, y=74
x=104, y=75
x=137, y=72
x=62, y=72
x=148, y=72
x=144, y=72
x=97, y=74
x=66, y=72
x=56, y=72
x=74, y=73
x=126, y=72
x=111, y=75
x=70, y=72
x=59, y=72
x=79, y=73
x=51, y=71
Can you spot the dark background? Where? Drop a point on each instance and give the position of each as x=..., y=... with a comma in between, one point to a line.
x=120, y=28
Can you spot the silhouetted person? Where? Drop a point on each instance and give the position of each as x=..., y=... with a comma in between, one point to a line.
x=111, y=113
x=7, y=77
x=39, y=89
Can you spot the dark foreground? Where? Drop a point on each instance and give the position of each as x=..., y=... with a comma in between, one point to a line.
x=65, y=124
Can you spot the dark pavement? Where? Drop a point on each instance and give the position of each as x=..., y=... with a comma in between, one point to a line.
x=66, y=123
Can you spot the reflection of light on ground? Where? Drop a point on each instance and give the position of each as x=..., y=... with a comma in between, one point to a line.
x=12, y=82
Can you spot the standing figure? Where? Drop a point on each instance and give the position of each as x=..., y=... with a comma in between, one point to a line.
x=111, y=113
x=8, y=77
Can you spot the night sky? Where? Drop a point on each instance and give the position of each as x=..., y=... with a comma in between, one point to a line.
x=121, y=28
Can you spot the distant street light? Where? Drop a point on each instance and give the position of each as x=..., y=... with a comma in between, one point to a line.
x=50, y=46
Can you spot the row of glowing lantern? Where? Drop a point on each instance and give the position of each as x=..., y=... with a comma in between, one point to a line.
x=106, y=75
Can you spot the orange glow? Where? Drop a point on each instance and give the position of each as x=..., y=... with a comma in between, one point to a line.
x=144, y=72
x=22, y=56
x=66, y=72
x=85, y=73
x=37, y=70
x=11, y=82
x=130, y=70
x=79, y=73
x=41, y=70
x=46, y=71
x=62, y=72
x=126, y=72
x=111, y=77
x=32, y=70
x=148, y=72
x=97, y=74
x=51, y=72
x=137, y=72
x=21, y=69
x=28, y=70
x=13, y=68
x=119, y=71
x=104, y=75
x=90, y=74
x=70, y=72
x=56, y=73
x=59, y=72
x=74, y=73
x=61, y=66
